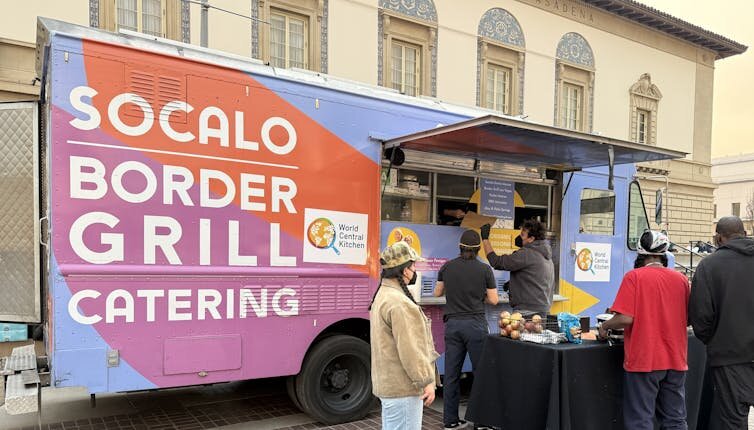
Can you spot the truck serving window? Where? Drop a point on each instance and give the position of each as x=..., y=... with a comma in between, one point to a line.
x=597, y=212
x=637, y=215
x=536, y=203
x=453, y=194
x=407, y=195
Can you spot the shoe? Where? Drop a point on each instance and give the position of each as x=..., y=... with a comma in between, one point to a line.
x=461, y=424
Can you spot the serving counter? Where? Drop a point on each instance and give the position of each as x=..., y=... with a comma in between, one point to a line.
x=523, y=385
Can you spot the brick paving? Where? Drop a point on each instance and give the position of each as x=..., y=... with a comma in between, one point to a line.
x=432, y=420
x=195, y=417
x=218, y=414
x=209, y=412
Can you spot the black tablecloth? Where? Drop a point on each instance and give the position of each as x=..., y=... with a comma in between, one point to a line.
x=522, y=385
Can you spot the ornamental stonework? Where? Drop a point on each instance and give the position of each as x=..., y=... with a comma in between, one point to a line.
x=499, y=25
x=574, y=49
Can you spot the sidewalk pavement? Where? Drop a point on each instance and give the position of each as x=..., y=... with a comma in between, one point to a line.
x=261, y=405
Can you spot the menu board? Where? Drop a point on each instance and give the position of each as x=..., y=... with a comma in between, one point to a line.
x=497, y=200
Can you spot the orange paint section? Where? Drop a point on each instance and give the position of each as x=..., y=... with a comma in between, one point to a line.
x=329, y=174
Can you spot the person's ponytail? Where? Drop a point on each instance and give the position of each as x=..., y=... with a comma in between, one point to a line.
x=404, y=287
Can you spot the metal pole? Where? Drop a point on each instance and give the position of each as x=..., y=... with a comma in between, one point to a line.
x=205, y=23
x=665, y=199
x=665, y=202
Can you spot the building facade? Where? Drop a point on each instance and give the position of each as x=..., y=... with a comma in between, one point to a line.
x=734, y=177
x=611, y=67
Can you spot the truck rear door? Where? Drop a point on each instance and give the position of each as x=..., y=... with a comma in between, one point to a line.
x=19, y=213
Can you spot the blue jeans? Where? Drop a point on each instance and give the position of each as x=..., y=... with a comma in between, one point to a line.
x=402, y=413
x=661, y=392
x=462, y=335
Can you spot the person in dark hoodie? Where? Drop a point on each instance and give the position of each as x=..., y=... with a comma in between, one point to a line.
x=531, y=267
x=720, y=310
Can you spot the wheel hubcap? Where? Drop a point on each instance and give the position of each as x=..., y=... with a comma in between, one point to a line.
x=338, y=378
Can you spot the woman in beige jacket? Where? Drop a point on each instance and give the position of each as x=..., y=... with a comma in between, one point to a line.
x=403, y=353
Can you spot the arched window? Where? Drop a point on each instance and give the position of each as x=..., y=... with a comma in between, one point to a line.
x=500, y=62
x=407, y=46
x=574, y=83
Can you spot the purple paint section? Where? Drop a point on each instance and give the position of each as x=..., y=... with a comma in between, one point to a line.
x=144, y=343
x=202, y=354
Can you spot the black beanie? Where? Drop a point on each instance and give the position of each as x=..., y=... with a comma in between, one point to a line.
x=470, y=238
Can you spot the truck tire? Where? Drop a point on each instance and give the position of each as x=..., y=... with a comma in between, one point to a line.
x=290, y=386
x=335, y=383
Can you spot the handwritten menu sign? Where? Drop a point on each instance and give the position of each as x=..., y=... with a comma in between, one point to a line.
x=497, y=199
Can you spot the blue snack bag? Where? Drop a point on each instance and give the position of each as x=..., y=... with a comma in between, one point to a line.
x=570, y=326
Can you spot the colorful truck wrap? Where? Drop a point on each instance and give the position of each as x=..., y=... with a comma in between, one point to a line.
x=214, y=219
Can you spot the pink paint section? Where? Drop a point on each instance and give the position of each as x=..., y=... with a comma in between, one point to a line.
x=202, y=354
x=321, y=301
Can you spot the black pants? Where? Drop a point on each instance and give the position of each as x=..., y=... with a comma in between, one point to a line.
x=733, y=395
x=661, y=393
x=462, y=335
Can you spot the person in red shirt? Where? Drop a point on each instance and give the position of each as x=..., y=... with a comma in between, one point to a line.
x=651, y=307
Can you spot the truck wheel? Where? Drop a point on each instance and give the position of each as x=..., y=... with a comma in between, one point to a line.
x=290, y=385
x=335, y=384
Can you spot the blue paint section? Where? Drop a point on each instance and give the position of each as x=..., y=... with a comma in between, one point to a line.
x=353, y=117
x=436, y=241
x=620, y=254
x=74, y=76
x=79, y=353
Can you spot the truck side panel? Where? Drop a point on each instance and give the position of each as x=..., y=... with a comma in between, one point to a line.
x=164, y=244
x=192, y=209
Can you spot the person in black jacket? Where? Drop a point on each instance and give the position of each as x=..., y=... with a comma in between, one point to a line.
x=531, y=268
x=720, y=311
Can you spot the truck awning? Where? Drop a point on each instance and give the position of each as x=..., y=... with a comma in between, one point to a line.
x=509, y=140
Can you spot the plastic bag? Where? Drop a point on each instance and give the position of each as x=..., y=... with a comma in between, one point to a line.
x=570, y=326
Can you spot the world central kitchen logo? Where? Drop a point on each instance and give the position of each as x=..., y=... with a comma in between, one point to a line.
x=585, y=260
x=335, y=237
x=322, y=233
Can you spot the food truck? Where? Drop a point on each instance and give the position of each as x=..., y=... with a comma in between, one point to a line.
x=206, y=218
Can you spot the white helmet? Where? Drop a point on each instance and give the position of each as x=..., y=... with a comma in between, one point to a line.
x=653, y=243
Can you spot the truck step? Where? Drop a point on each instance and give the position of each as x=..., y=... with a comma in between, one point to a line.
x=20, y=381
x=20, y=398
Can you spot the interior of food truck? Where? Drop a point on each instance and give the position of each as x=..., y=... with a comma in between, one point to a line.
x=502, y=171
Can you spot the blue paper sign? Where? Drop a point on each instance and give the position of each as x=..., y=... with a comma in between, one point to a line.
x=497, y=199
